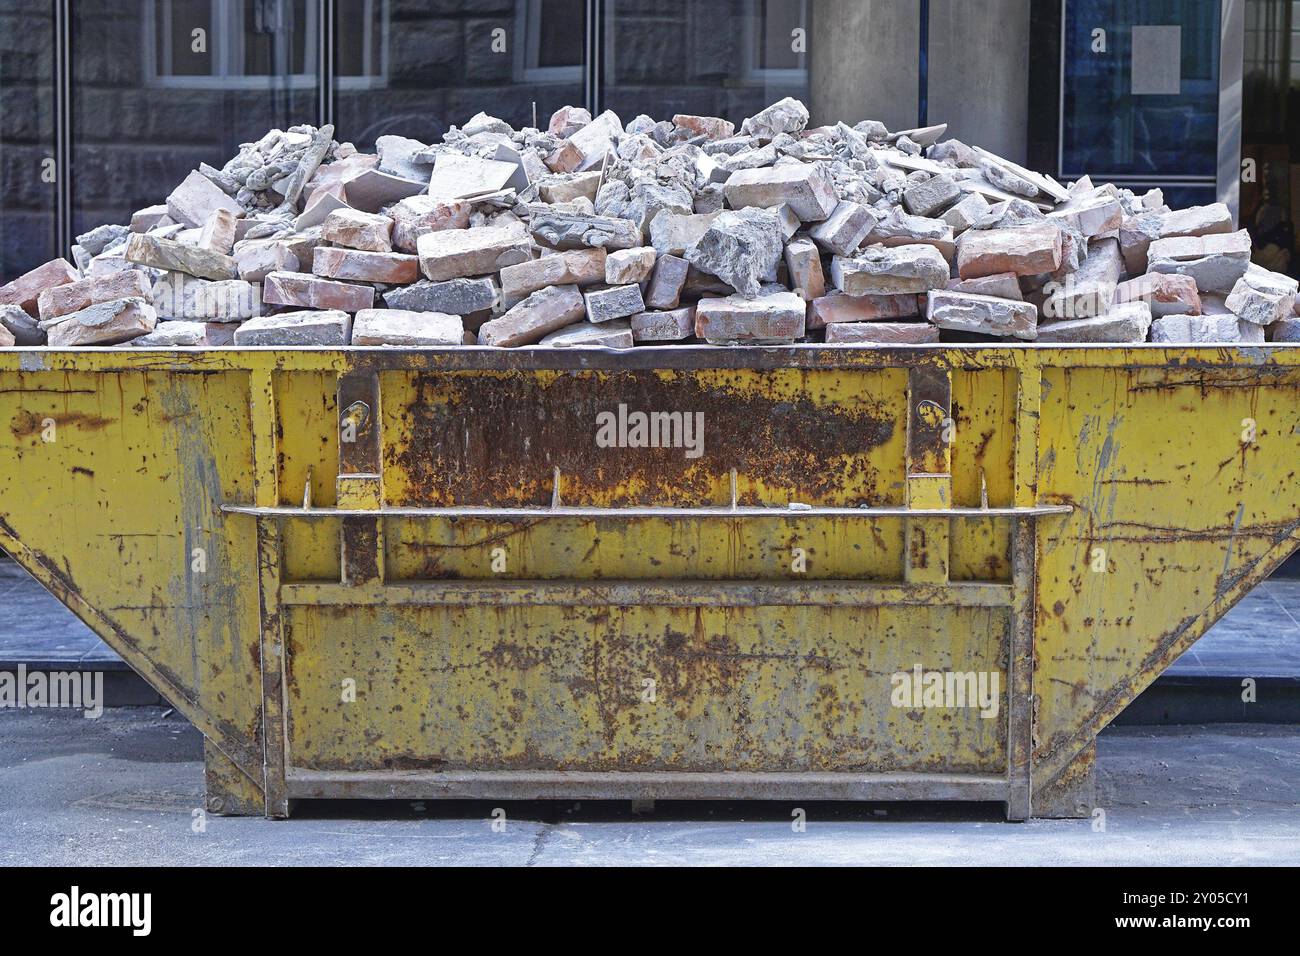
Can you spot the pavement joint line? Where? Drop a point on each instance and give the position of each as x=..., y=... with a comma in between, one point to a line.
x=1285, y=610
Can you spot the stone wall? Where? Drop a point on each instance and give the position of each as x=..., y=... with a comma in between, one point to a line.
x=979, y=72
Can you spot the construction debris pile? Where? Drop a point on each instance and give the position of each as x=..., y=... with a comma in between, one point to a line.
x=596, y=233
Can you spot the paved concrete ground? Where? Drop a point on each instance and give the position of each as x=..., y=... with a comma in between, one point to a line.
x=1259, y=637
x=123, y=790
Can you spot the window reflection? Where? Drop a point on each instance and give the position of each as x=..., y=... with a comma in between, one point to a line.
x=727, y=59
x=26, y=136
x=160, y=86
x=1125, y=116
x=416, y=71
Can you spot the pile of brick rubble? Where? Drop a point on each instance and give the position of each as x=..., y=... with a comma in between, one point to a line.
x=596, y=233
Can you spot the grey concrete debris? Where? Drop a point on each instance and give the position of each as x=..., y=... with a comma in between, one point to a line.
x=396, y=157
x=784, y=116
x=803, y=265
x=546, y=310
x=168, y=335
x=402, y=327
x=326, y=327
x=619, y=302
x=1215, y=261
x=843, y=231
x=966, y=212
x=932, y=196
x=666, y=282
x=195, y=199
x=1125, y=323
x=740, y=247
x=582, y=267
x=881, y=333
x=1261, y=297
x=625, y=266
x=104, y=323
x=671, y=325
x=1090, y=290
x=570, y=231
x=172, y=256
x=178, y=296
x=808, y=189
x=648, y=231
x=964, y=312
x=1287, y=330
x=614, y=334
x=884, y=270
x=737, y=319
x=452, y=297
x=22, y=328
x=1198, y=330
x=672, y=233
x=102, y=237
x=461, y=253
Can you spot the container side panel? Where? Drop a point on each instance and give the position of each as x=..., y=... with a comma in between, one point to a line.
x=110, y=496
x=640, y=688
x=1184, y=480
x=308, y=436
x=750, y=549
x=631, y=437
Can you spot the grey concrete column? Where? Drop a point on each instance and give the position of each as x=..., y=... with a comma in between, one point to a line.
x=863, y=56
x=979, y=73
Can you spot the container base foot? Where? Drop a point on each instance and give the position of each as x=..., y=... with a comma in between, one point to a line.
x=1073, y=794
x=230, y=792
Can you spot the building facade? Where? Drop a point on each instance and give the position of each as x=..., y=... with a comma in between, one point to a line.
x=106, y=104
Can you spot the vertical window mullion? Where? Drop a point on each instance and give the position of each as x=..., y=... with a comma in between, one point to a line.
x=322, y=70
x=167, y=64
x=217, y=40
x=923, y=69
x=62, y=128
x=327, y=65
x=595, y=27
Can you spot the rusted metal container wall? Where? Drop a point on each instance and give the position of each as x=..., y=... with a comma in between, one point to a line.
x=469, y=572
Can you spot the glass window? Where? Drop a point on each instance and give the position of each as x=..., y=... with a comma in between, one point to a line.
x=27, y=173
x=274, y=36
x=1148, y=104
x=229, y=43
x=709, y=58
x=360, y=51
x=553, y=43
x=773, y=46
x=417, y=69
x=152, y=98
x=182, y=37
x=1270, y=199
